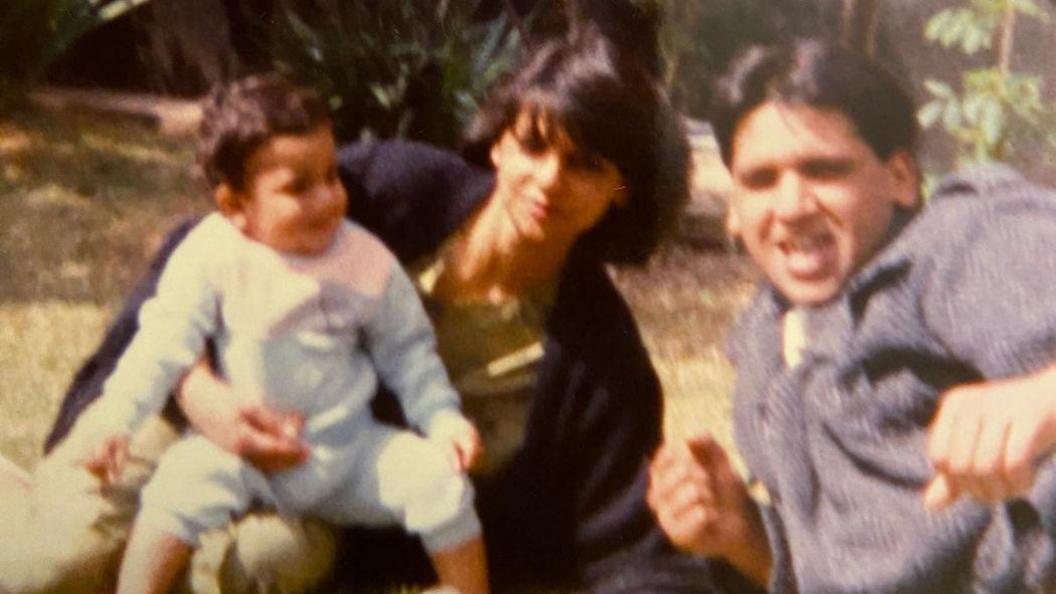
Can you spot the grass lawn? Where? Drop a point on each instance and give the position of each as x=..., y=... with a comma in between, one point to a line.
x=84, y=200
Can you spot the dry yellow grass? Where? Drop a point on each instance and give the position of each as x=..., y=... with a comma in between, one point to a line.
x=83, y=201
x=685, y=301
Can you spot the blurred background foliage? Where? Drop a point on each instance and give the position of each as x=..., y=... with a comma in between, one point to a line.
x=34, y=33
x=701, y=36
x=400, y=68
x=419, y=68
x=998, y=113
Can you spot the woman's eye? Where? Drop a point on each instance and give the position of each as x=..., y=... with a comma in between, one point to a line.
x=827, y=168
x=586, y=162
x=532, y=143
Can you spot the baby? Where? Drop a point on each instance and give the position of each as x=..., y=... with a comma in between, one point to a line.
x=307, y=311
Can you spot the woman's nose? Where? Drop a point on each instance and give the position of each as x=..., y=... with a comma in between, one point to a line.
x=549, y=172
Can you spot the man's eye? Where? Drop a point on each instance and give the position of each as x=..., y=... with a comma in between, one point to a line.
x=827, y=168
x=758, y=179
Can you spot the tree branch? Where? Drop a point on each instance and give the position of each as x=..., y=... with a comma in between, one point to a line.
x=1005, y=37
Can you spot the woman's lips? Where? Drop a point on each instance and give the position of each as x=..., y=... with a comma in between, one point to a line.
x=539, y=210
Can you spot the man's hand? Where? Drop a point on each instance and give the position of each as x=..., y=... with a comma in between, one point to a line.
x=987, y=438
x=267, y=439
x=460, y=439
x=704, y=507
x=106, y=459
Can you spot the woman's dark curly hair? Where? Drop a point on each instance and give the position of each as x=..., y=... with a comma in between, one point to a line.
x=610, y=107
x=240, y=116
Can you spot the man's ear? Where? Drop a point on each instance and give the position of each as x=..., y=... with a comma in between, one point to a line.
x=230, y=202
x=905, y=176
x=494, y=154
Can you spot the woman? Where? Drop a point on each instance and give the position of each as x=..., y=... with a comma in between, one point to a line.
x=574, y=162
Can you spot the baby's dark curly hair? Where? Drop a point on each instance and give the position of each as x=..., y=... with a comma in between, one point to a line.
x=240, y=116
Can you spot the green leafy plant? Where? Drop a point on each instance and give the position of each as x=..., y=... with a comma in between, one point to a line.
x=399, y=68
x=700, y=36
x=996, y=110
x=34, y=33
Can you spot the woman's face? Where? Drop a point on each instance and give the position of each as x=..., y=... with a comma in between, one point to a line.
x=549, y=187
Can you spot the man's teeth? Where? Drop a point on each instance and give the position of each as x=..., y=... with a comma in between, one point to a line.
x=806, y=244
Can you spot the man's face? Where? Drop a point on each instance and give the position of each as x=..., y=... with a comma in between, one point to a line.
x=812, y=202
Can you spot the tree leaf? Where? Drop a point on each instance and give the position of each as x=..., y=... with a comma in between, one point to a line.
x=937, y=25
x=930, y=113
x=382, y=95
x=951, y=33
x=973, y=107
x=938, y=88
x=992, y=122
x=1031, y=8
x=951, y=117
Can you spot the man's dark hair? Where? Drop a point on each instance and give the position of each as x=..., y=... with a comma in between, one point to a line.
x=240, y=116
x=819, y=75
x=610, y=107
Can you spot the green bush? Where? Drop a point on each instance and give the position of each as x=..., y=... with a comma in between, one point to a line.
x=700, y=36
x=998, y=114
x=33, y=33
x=398, y=68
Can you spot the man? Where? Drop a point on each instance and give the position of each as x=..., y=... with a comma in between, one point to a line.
x=897, y=357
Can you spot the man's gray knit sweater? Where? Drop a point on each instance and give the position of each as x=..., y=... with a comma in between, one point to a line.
x=964, y=291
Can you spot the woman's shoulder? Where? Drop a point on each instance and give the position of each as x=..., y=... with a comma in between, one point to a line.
x=589, y=312
x=411, y=195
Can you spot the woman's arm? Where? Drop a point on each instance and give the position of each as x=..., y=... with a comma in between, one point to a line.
x=87, y=384
x=267, y=439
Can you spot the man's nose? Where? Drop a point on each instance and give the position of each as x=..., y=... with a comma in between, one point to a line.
x=795, y=198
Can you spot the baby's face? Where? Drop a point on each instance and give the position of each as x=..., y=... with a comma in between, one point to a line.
x=293, y=199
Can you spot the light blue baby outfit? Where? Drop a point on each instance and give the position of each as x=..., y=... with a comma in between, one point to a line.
x=306, y=334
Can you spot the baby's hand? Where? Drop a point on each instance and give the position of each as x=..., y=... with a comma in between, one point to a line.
x=468, y=447
x=987, y=439
x=460, y=438
x=107, y=458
